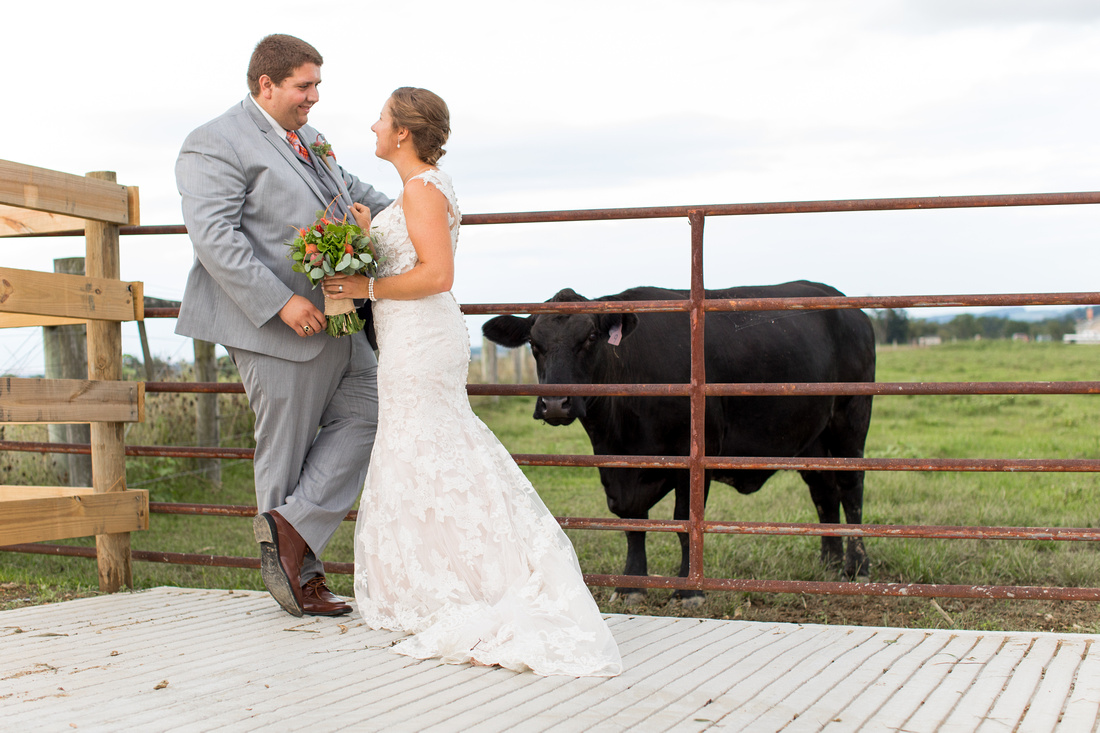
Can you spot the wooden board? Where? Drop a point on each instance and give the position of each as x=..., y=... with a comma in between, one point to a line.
x=68, y=512
x=10, y=493
x=71, y=296
x=70, y=401
x=27, y=187
x=22, y=320
x=139, y=661
x=15, y=221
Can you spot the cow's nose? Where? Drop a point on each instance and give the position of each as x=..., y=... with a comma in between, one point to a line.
x=553, y=408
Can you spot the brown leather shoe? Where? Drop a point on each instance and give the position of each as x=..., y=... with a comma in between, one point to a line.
x=281, y=553
x=318, y=600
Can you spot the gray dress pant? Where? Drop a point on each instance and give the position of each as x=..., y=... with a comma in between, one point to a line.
x=315, y=427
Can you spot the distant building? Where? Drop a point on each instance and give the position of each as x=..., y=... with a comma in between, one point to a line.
x=929, y=341
x=1088, y=331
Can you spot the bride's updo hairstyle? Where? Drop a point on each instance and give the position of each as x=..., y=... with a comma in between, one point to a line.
x=427, y=118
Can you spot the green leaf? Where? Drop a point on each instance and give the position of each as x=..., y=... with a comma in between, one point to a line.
x=316, y=273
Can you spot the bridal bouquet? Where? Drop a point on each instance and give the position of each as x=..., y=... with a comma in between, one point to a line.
x=328, y=247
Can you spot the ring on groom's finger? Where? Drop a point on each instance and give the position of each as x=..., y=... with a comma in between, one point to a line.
x=305, y=329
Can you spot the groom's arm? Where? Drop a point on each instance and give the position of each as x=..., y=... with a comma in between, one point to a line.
x=365, y=193
x=212, y=183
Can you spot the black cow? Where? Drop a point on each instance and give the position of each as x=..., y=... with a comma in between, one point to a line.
x=648, y=348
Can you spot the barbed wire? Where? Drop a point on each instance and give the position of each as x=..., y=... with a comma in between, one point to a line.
x=18, y=362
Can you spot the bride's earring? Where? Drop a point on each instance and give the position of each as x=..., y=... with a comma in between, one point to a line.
x=398, y=143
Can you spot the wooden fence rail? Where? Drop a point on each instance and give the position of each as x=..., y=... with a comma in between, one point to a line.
x=37, y=200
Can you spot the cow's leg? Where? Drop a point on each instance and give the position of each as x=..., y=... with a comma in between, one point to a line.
x=826, y=498
x=636, y=564
x=846, y=437
x=631, y=493
x=850, y=484
x=627, y=499
x=682, y=511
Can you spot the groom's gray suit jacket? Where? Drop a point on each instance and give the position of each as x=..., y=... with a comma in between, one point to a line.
x=244, y=191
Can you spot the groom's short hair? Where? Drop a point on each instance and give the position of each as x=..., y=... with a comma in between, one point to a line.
x=278, y=56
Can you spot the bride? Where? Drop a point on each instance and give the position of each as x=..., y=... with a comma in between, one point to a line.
x=452, y=545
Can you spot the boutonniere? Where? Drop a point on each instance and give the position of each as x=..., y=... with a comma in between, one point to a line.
x=323, y=150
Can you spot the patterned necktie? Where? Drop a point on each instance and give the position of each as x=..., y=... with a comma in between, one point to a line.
x=295, y=143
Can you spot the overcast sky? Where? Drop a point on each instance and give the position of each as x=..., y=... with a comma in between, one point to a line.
x=594, y=104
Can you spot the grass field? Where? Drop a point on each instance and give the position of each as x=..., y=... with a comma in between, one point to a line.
x=1000, y=426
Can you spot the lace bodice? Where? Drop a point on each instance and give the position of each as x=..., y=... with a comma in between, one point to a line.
x=395, y=249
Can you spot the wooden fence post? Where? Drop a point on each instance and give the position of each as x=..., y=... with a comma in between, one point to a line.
x=206, y=410
x=517, y=365
x=66, y=356
x=489, y=373
x=105, y=363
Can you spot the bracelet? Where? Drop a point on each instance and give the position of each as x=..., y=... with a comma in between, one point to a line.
x=370, y=290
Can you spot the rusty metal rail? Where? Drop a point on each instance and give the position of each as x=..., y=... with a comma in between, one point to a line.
x=982, y=465
x=696, y=306
x=907, y=590
x=750, y=209
x=759, y=304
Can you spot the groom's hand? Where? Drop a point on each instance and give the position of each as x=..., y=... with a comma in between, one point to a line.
x=302, y=316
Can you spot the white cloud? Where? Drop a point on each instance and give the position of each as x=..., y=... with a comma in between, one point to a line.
x=617, y=104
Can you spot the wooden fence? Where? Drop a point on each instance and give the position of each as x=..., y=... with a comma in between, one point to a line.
x=37, y=200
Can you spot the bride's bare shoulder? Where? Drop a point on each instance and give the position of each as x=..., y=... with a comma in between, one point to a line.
x=423, y=193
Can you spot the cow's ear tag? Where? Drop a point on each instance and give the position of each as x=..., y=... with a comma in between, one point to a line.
x=616, y=334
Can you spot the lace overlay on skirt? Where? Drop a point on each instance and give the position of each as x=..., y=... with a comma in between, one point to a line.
x=453, y=545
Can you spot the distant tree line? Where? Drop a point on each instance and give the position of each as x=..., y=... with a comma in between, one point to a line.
x=169, y=371
x=896, y=327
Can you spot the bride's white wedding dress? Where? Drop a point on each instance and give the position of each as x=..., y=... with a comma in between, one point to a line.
x=452, y=544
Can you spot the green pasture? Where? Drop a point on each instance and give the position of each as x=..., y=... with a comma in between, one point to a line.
x=1005, y=426
x=1001, y=426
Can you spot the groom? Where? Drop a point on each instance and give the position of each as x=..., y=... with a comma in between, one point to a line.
x=247, y=179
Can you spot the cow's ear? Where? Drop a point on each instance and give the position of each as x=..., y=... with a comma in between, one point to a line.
x=508, y=331
x=618, y=326
x=568, y=295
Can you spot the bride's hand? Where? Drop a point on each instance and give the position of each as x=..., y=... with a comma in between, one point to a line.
x=339, y=287
x=362, y=216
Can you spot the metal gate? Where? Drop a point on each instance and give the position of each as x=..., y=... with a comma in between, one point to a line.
x=697, y=526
